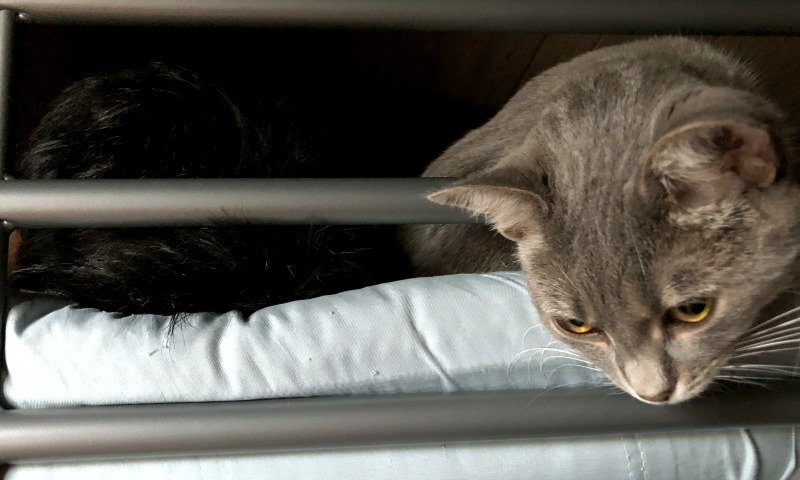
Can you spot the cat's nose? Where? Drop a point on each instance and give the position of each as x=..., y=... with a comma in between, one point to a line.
x=648, y=378
x=661, y=396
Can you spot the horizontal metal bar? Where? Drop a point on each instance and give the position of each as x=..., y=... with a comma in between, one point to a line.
x=590, y=16
x=193, y=202
x=262, y=426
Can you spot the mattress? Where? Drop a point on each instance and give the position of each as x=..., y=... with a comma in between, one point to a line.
x=438, y=334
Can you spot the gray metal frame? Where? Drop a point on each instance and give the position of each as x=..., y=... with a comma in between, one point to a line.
x=118, y=432
x=191, y=202
x=7, y=18
x=580, y=16
x=313, y=423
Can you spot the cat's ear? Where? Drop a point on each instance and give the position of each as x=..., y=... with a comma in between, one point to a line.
x=710, y=161
x=514, y=211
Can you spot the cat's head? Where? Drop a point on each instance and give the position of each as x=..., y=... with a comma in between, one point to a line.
x=655, y=275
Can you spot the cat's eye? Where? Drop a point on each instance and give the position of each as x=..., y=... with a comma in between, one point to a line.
x=692, y=311
x=573, y=325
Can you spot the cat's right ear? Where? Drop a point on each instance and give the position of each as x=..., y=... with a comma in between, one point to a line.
x=514, y=211
x=709, y=162
x=715, y=144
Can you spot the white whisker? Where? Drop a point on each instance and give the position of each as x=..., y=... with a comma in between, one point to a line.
x=525, y=335
x=751, y=377
x=578, y=359
x=739, y=379
x=767, y=344
x=790, y=333
x=766, y=370
x=719, y=386
x=569, y=384
x=552, y=372
x=614, y=390
x=564, y=272
x=530, y=370
x=762, y=365
x=764, y=352
x=783, y=327
x=787, y=323
x=774, y=319
x=541, y=351
x=636, y=248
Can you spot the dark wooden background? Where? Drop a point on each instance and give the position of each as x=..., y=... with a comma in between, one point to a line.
x=472, y=73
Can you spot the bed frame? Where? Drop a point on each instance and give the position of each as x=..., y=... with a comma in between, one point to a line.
x=260, y=426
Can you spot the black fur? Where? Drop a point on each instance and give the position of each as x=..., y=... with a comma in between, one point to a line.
x=162, y=122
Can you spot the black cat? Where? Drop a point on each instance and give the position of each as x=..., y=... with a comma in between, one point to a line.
x=164, y=122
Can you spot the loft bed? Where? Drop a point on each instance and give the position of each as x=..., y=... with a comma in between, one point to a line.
x=330, y=422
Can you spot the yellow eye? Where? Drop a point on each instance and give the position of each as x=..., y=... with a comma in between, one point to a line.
x=573, y=325
x=692, y=311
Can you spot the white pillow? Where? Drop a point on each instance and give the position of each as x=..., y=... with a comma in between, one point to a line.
x=459, y=332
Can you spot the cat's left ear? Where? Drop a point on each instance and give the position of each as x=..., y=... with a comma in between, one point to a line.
x=709, y=161
x=515, y=211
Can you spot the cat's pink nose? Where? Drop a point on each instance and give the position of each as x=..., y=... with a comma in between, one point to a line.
x=661, y=396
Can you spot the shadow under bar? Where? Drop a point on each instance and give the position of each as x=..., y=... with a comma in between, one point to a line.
x=196, y=202
x=580, y=16
x=312, y=423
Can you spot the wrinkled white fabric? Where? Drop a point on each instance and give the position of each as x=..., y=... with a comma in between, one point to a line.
x=460, y=332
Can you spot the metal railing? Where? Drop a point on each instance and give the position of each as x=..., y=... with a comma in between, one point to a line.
x=313, y=423
x=194, y=202
x=578, y=16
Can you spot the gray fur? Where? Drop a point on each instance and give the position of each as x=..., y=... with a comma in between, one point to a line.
x=624, y=182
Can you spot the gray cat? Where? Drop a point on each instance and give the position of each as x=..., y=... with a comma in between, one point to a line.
x=651, y=197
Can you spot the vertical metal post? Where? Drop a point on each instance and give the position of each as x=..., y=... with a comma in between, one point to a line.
x=7, y=19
